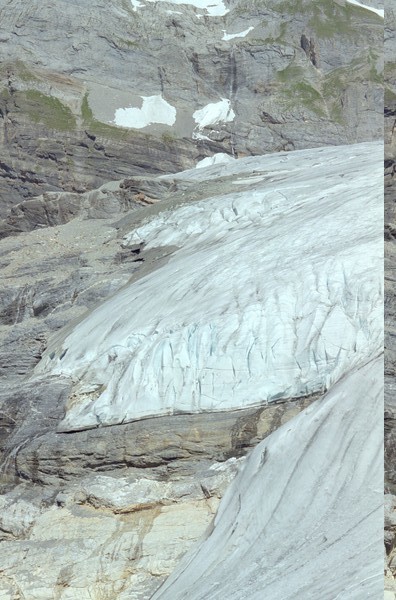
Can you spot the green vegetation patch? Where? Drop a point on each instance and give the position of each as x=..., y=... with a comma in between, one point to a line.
x=97, y=127
x=297, y=91
x=290, y=74
x=305, y=95
x=330, y=19
x=47, y=110
x=327, y=18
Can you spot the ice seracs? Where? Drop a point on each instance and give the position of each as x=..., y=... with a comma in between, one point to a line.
x=303, y=519
x=275, y=292
x=154, y=109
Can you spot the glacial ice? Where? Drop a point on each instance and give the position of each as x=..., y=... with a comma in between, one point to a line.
x=275, y=291
x=303, y=519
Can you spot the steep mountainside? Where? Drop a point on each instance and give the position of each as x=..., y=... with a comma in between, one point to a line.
x=92, y=91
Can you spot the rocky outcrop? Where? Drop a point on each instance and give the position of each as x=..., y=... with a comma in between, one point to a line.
x=390, y=297
x=289, y=76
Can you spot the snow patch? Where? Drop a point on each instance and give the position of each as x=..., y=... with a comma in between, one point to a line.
x=154, y=110
x=214, y=113
x=377, y=11
x=216, y=159
x=231, y=36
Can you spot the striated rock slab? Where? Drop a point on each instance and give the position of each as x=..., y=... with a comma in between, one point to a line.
x=167, y=445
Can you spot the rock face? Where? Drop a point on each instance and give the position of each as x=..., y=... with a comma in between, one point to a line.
x=273, y=75
x=390, y=299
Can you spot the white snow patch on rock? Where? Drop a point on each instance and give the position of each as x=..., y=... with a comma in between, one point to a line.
x=213, y=113
x=231, y=36
x=377, y=11
x=217, y=159
x=154, y=110
x=137, y=4
x=303, y=518
x=275, y=292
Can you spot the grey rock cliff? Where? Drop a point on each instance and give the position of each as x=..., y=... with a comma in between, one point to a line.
x=306, y=74
x=390, y=297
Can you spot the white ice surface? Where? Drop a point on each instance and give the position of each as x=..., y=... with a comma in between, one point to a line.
x=136, y=4
x=377, y=11
x=231, y=36
x=275, y=291
x=303, y=519
x=213, y=113
x=214, y=8
x=154, y=110
x=217, y=159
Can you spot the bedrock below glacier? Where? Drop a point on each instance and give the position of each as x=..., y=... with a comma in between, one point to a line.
x=274, y=291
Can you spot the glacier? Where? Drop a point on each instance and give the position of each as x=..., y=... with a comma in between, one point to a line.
x=303, y=519
x=274, y=291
